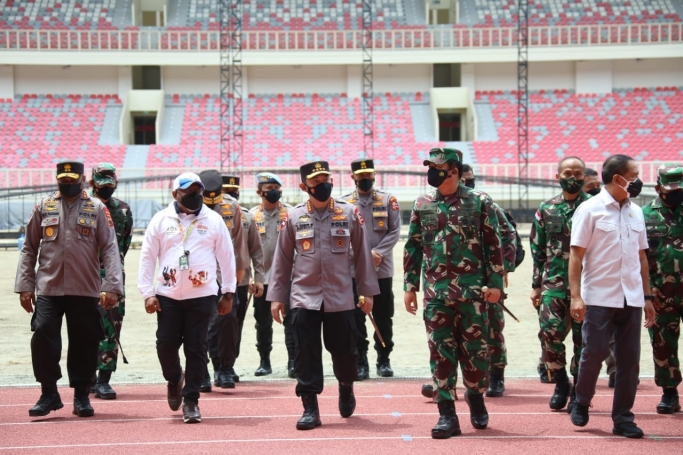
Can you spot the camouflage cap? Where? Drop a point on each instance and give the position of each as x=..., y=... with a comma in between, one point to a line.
x=104, y=174
x=443, y=155
x=670, y=176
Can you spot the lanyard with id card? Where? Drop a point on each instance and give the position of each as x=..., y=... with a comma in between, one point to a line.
x=184, y=261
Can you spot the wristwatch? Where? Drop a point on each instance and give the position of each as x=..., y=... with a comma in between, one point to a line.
x=650, y=297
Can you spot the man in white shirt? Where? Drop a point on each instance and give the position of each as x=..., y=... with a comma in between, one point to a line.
x=186, y=239
x=609, y=282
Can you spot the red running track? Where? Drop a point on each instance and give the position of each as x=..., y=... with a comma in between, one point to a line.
x=391, y=418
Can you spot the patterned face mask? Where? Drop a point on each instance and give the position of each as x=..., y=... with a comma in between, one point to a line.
x=571, y=185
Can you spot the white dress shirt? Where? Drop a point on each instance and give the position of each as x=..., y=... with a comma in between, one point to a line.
x=206, y=238
x=613, y=237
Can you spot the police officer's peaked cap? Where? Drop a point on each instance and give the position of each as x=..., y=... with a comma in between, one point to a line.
x=443, y=155
x=267, y=177
x=71, y=169
x=362, y=165
x=211, y=179
x=670, y=176
x=310, y=170
x=104, y=174
x=230, y=181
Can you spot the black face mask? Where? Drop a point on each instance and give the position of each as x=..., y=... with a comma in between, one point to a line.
x=192, y=201
x=105, y=192
x=469, y=183
x=593, y=191
x=634, y=188
x=323, y=191
x=365, y=184
x=672, y=199
x=235, y=195
x=571, y=185
x=435, y=177
x=69, y=190
x=272, y=196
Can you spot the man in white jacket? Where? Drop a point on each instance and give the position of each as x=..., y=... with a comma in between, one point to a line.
x=186, y=239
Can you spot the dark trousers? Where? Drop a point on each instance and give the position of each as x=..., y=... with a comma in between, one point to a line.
x=84, y=329
x=223, y=334
x=382, y=311
x=184, y=322
x=598, y=326
x=339, y=335
x=243, y=295
x=264, y=326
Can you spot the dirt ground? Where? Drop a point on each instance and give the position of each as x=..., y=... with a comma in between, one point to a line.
x=409, y=358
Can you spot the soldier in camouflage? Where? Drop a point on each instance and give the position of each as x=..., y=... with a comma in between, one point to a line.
x=550, y=241
x=464, y=224
x=103, y=184
x=664, y=224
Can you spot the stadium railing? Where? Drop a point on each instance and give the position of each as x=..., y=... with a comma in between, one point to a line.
x=329, y=40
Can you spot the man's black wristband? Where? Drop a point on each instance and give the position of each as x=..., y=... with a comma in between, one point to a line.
x=650, y=297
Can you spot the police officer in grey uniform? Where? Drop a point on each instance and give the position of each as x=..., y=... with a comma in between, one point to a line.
x=231, y=187
x=66, y=232
x=321, y=233
x=381, y=211
x=268, y=216
x=223, y=329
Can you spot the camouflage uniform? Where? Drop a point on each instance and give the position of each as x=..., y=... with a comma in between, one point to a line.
x=123, y=225
x=550, y=241
x=665, y=237
x=465, y=227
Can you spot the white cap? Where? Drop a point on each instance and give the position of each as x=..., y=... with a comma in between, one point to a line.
x=185, y=180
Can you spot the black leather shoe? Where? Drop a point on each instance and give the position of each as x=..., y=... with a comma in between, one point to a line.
x=174, y=393
x=669, y=403
x=311, y=417
x=579, y=414
x=102, y=388
x=427, y=390
x=191, y=412
x=628, y=429
x=50, y=401
x=225, y=379
x=264, y=368
x=611, y=380
x=216, y=363
x=562, y=390
x=206, y=384
x=347, y=400
x=291, y=373
x=235, y=376
x=572, y=398
x=82, y=407
x=496, y=384
x=363, y=367
x=384, y=367
x=479, y=416
x=448, y=424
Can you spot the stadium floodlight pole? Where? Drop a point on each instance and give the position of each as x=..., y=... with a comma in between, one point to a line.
x=237, y=149
x=367, y=94
x=523, y=102
x=225, y=117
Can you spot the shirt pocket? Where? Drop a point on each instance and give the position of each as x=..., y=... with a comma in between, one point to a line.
x=50, y=227
x=340, y=238
x=635, y=231
x=470, y=226
x=428, y=223
x=379, y=223
x=86, y=229
x=305, y=241
x=608, y=240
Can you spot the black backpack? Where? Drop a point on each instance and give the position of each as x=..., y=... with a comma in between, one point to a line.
x=519, y=249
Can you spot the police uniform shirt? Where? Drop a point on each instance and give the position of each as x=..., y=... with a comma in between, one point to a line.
x=67, y=238
x=268, y=224
x=322, y=242
x=254, y=246
x=231, y=213
x=383, y=224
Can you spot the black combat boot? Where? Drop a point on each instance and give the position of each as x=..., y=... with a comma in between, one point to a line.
x=383, y=366
x=291, y=372
x=82, y=407
x=543, y=375
x=264, y=368
x=216, y=363
x=363, y=367
x=347, y=400
x=669, y=403
x=49, y=401
x=206, y=383
x=225, y=379
x=479, y=416
x=102, y=388
x=572, y=397
x=448, y=424
x=496, y=383
x=562, y=389
x=235, y=376
x=311, y=417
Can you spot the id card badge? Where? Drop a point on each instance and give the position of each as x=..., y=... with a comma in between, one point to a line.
x=184, y=262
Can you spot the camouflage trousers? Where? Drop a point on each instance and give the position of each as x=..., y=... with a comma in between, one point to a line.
x=496, y=341
x=109, y=350
x=664, y=338
x=457, y=332
x=554, y=321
